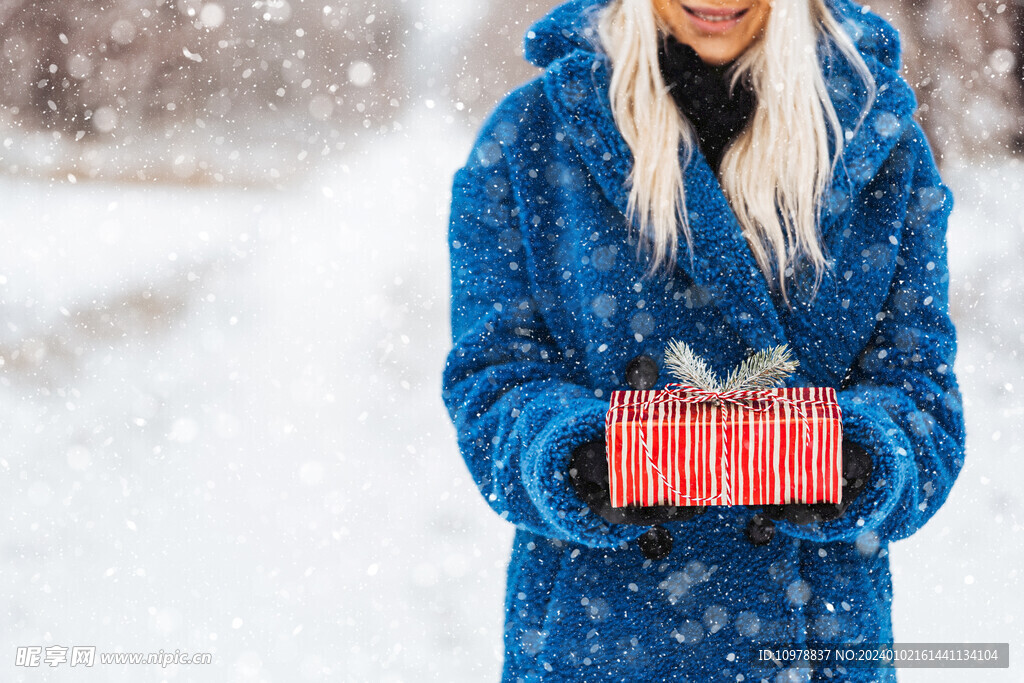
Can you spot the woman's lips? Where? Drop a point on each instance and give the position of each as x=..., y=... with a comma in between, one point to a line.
x=714, y=20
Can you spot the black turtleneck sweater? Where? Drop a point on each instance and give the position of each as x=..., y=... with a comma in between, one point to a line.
x=701, y=91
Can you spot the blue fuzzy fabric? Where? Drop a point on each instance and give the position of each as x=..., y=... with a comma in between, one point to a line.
x=549, y=304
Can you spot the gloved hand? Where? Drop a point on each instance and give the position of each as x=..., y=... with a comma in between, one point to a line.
x=588, y=473
x=857, y=468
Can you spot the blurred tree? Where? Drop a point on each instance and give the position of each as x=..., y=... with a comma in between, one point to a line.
x=1018, y=52
x=964, y=60
x=128, y=69
x=489, y=62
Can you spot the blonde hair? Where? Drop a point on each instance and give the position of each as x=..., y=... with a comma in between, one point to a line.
x=774, y=179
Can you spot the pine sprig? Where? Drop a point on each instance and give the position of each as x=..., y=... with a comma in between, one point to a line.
x=763, y=370
x=689, y=368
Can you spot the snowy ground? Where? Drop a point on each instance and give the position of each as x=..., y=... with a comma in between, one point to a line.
x=222, y=431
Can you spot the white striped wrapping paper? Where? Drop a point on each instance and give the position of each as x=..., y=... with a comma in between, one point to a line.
x=784, y=450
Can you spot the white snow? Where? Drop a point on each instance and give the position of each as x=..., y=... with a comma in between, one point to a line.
x=223, y=430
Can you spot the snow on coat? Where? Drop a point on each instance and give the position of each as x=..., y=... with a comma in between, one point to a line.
x=549, y=306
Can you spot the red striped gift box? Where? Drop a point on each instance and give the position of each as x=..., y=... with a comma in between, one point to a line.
x=684, y=446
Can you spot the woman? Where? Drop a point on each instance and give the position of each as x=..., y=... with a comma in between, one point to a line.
x=692, y=172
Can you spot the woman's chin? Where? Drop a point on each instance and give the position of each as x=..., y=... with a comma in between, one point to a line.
x=712, y=53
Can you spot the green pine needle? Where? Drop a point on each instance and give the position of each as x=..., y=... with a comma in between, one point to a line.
x=689, y=368
x=763, y=370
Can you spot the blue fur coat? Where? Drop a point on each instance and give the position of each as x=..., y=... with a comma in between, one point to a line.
x=549, y=304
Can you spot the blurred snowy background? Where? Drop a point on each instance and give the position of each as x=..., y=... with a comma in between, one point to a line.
x=224, y=282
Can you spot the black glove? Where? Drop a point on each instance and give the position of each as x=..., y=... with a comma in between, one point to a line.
x=857, y=468
x=588, y=472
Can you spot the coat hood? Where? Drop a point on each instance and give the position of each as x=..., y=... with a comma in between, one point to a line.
x=572, y=26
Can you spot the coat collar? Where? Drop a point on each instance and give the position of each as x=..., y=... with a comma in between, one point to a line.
x=577, y=84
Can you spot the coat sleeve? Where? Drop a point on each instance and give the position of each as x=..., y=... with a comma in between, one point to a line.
x=507, y=386
x=901, y=401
